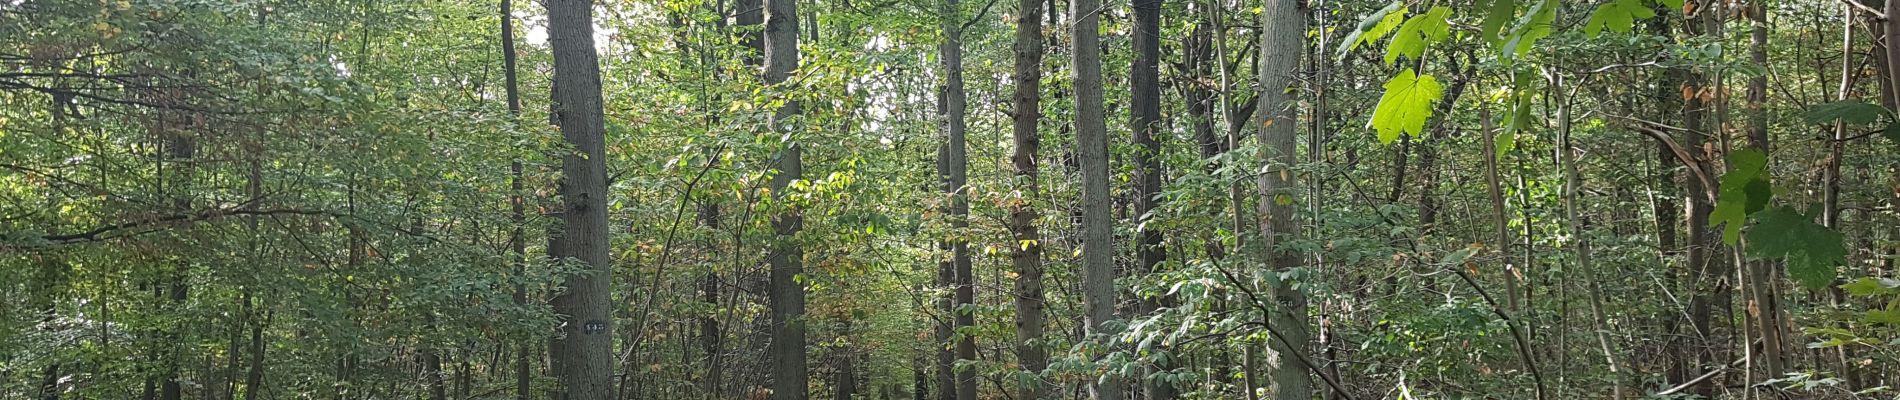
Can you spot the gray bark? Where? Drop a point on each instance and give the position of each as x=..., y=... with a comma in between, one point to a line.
x=953, y=170
x=1026, y=254
x=584, y=346
x=790, y=374
x=1282, y=43
x=1091, y=141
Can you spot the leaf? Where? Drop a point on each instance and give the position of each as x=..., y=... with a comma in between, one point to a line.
x=1418, y=33
x=1406, y=105
x=1852, y=112
x=1745, y=190
x=1867, y=287
x=1532, y=26
x=1889, y=316
x=1497, y=13
x=1373, y=27
x=1617, y=15
x=1811, y=250
x=1504, y=143
x=1459, y=256
x=1892, y=132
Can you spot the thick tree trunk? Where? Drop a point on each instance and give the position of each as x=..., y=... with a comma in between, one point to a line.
x=584, y=348
x=1145, y=77
x=1091, y=141
x=1282, y=42
x=1026, y=253
x=790, y=374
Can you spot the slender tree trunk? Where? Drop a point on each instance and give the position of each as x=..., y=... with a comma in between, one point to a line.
x=585, y=346
x=1668, y=219
x=431, y=361
x=180, y=148
x=952, y=170
x=790, y=374
x=1705, y=278
x=1145, y=77
x=517, y=206
x=1091, y=141
x=1761, y=283
x=1889, y=34
x=1573, y=187
x=1026, y=253
x=254, y=380
x=1282, y=42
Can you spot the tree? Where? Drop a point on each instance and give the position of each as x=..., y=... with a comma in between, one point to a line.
x=1026, y=254
x=1144, y=78
x=1091, y=142
x=790, y=374
x=952, y=168
x=1282, y=41
x=585, y=347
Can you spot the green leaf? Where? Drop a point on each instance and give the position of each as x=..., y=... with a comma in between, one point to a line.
x=1889, y=316
x=1745, y=190
x=1373, y=27
x=1532, y=26
x=1617, y=15
x=1892, y=132
x=1418, y=33
x=1853, y=112
x=1867, y=287
x=1671, y=4
x=1504, y=143
x=1458, y=257
x=1811, y=250
x=1497, y=13
x=1406, y=105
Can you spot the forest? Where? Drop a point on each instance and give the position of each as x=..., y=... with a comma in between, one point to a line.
x=949, y=199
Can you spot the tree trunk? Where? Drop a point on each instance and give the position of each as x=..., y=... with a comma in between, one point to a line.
x=1091, y=141
x=584, y=347
x=952, y=169
x=1145, y=77
x=1762, y=282
x=1573, y=223
x=517, y=238
x=790, y=375
x=1026, y=253
x=1706, y=279
x=1282, y=42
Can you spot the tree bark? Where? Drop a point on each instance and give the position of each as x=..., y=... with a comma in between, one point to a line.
x=1026, y=253
x=790, y=374
x=1282, y=43
x=584, y=346
x=1145, y=77
x=1572, y=189
x=1091, y=141
x=953, y=172
x=1761, y=282
x=1705, y=278
x=517, y=238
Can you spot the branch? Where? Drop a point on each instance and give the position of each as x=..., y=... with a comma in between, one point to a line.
x=101, y=233
x=1292, y=348
x=1655, y=131
x=1870, y=10
x=1706, y=376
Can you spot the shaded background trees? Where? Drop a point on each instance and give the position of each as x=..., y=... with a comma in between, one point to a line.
x=1512, y=198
